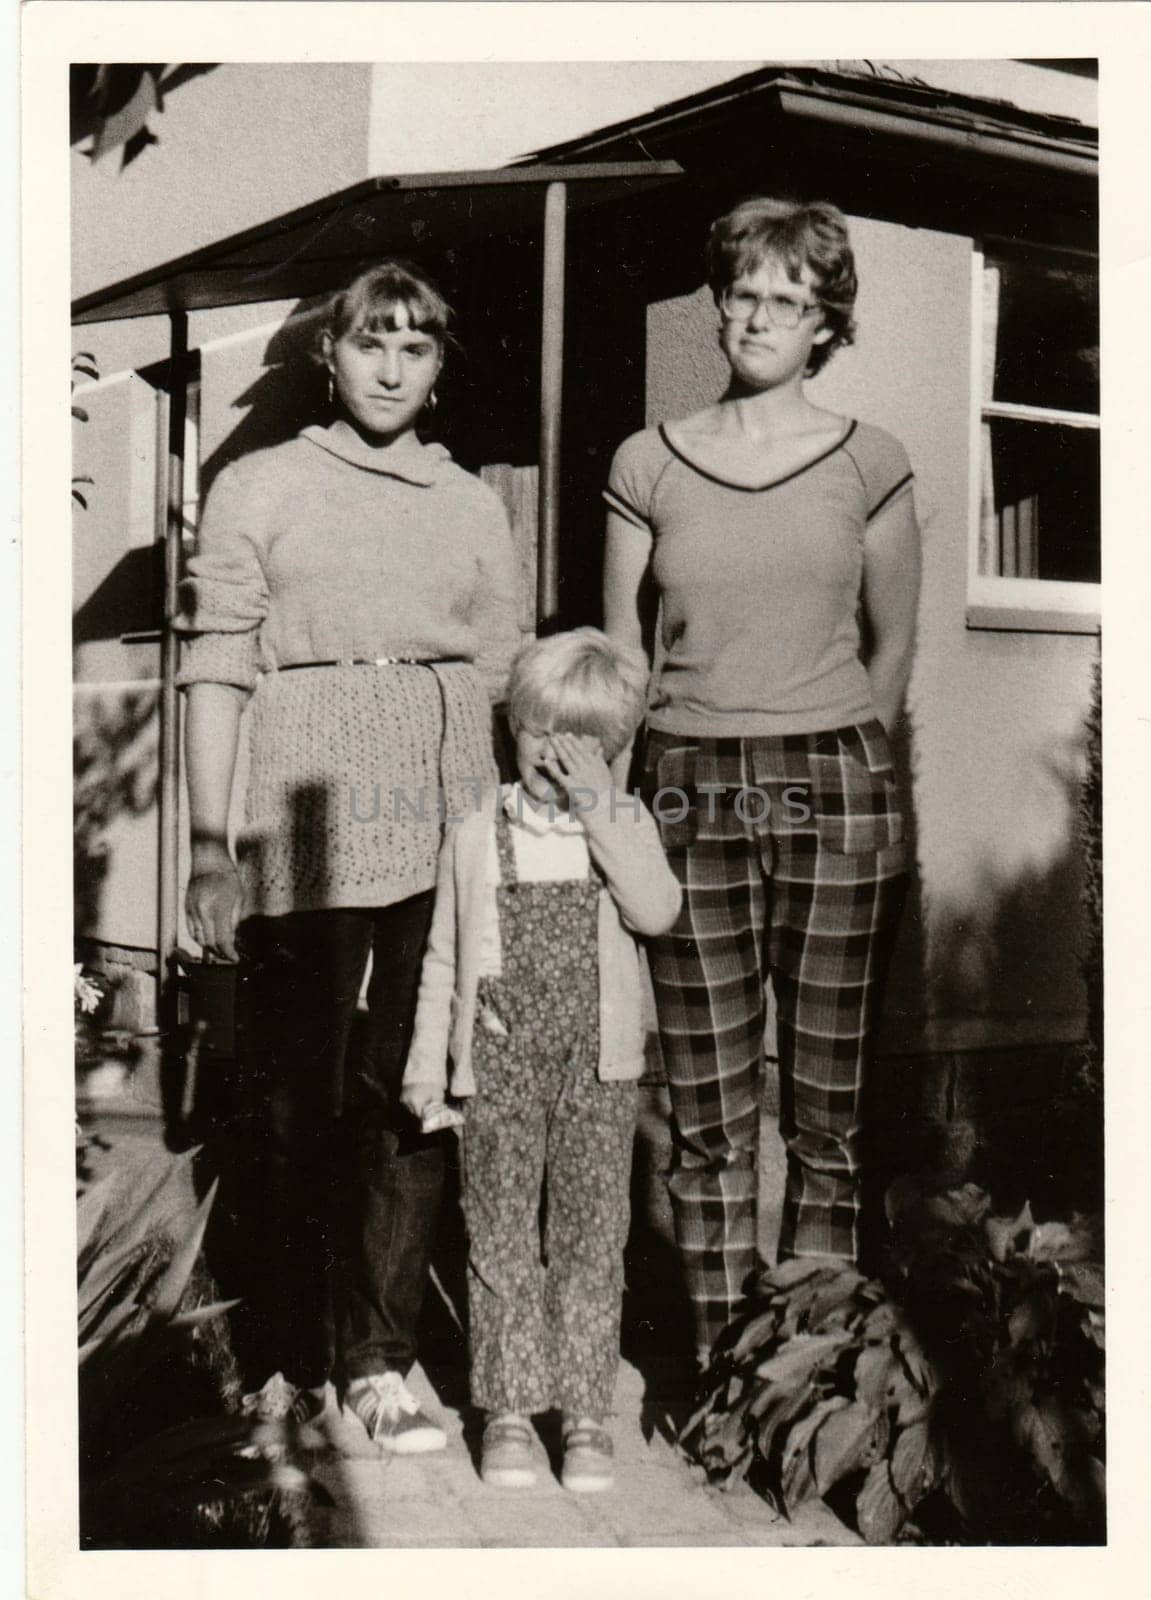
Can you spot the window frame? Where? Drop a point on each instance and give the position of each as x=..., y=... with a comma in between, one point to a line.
x=1003, y=604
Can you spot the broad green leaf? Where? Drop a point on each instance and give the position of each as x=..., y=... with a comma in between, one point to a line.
x=1041, y=1428
x=874, y=1375
x=797, y=1478
x=880, y=1323
x=836, y=1295
x=1004, y=1233
x=842, y=1443
x=912, y=1464
x=789, y=1273
x=760, y=1330
x=796, y=1357
x=1084, y=1281
x=913, y=1361
x=785, y=1406
x=877, y=1507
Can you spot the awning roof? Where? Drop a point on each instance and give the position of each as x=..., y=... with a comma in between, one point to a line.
x=308, y=250
x=876, y=101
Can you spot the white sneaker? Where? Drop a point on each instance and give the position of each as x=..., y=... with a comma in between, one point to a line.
x=392, y=1416
x=283, y=1418
x=281, y=1401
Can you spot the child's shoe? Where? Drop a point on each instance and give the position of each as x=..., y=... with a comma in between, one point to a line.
x=506, y=1460
x=392, y=1416
x=282, y=1416
x=588, y=1451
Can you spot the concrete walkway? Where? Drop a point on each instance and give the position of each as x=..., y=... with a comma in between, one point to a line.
x=438, y=1501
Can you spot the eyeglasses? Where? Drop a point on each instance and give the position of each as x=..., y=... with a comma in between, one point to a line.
x=740, y=305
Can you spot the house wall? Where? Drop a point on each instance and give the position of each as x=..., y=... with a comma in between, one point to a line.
x=991, y=944
x=255, y=376
x=242, y=143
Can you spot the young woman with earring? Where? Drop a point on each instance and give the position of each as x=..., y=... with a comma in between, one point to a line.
x=361, y=590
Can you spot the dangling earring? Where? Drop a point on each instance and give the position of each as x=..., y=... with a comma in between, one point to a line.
x=331, y=391
x=431, y=403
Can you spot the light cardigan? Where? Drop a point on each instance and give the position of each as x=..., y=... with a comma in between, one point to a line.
x=641, y=895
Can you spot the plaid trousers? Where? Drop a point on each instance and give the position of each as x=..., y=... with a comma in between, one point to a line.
x=790, y=851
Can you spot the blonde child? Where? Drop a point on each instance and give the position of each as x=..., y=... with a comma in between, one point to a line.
x=529, y=1014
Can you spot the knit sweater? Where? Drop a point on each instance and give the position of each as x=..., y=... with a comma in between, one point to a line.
x=319, y=550
x=759, y=585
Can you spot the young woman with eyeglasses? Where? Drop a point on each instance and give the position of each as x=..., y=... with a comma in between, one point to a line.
x=780, y=543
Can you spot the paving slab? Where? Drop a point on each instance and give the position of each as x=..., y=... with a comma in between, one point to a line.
x=438, y=1501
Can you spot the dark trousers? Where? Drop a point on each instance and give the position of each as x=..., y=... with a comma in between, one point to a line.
x=351, y=1188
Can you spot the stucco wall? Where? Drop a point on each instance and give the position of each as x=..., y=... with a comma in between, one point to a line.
x=238, y=145
x=251, y=373
x=990, y=948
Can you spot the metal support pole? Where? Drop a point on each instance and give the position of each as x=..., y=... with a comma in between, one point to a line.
x=169, y=886
x=551, y=399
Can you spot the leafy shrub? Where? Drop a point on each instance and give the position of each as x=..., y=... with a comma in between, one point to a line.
x=154, y=1474
x=970, y=1394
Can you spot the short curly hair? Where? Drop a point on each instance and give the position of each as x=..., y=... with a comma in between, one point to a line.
x=800, y=234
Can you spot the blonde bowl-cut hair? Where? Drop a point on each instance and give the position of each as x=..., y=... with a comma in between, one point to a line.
x=579, y=682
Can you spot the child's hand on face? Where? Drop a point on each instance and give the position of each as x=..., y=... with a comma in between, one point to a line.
x=576, y=765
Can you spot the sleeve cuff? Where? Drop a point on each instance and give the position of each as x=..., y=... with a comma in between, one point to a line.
x=231, y=658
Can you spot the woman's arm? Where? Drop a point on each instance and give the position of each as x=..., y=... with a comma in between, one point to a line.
x=891, y=577
x=626, y=600
x=627, y=556
x=496, y=611
x=211, y=739
x=426, y=1071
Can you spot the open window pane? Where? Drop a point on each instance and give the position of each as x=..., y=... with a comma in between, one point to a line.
x=1046, y=338
x=1040, y=502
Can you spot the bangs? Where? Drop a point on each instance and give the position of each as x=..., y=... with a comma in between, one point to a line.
x=750, y=253
x=381, y=313
x=391, y=298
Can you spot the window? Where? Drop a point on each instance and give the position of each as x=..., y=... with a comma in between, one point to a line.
x=1035, y=545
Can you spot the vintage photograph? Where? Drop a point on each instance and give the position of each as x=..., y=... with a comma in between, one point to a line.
x=587, y=803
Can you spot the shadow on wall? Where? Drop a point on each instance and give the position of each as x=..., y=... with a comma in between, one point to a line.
x=1009, y=938
x=487, y=393
x=115, y=773
x=289, y=393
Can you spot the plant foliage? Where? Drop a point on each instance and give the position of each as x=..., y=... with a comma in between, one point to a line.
x=84, y=363
x=971, y=1390
x=144, y=1331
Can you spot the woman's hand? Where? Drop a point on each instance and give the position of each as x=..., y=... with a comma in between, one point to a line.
x=213, y=904
x=418, y=1095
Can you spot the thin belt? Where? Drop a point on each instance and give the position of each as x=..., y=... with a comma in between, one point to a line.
x=380, y=661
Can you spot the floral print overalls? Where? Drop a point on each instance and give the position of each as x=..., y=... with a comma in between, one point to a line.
x=545, y=1326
